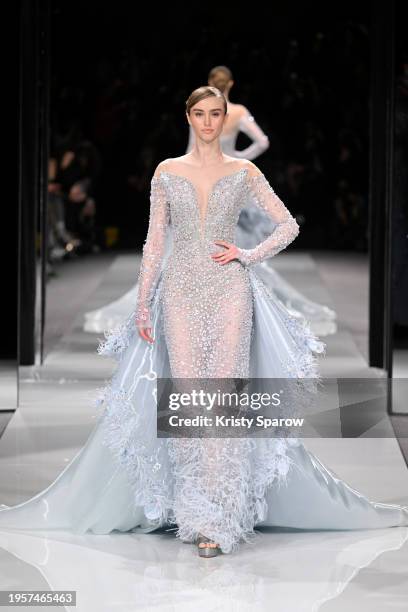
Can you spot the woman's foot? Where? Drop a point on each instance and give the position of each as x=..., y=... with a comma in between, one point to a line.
x=206, y=547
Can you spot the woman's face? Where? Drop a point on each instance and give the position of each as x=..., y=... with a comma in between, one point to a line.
x=207, y=118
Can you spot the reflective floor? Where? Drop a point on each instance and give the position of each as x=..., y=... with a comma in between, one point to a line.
x=286, y=572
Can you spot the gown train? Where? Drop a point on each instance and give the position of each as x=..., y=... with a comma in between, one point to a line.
x=125, y=477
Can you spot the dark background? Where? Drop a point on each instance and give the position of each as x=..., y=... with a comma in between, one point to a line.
x=121, y=74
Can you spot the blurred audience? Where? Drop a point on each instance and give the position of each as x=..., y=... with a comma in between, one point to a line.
x=72, y=177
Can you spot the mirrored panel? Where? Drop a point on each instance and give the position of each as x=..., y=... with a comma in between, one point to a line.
x=399, y=225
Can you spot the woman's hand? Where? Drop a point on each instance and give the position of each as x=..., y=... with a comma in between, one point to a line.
x=145, y=333
x=225, y=256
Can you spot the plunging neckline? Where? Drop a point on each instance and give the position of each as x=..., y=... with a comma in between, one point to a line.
x=203, y=220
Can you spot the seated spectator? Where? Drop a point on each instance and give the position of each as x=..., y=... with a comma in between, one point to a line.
x=80, y=210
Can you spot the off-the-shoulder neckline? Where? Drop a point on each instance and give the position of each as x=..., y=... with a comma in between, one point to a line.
x=181, y=176
x=194, y=189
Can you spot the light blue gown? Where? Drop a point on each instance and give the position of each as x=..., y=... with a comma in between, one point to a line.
x=125, y=477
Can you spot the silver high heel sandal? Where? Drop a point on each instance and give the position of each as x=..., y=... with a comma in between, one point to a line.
x=206, y=551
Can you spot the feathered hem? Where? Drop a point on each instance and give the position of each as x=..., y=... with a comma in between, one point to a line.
x=168, y=476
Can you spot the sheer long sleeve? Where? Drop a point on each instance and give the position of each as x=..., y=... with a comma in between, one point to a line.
x=248, y=125
x=153, y=251
x=286, y=228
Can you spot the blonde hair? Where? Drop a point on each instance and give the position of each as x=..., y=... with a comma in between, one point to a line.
x=206, y=91
x=223, y=69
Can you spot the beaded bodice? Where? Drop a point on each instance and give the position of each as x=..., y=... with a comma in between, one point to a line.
x=195, y=225
x=217, y=219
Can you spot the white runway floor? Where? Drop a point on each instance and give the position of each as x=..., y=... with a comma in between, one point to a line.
x=284, y=571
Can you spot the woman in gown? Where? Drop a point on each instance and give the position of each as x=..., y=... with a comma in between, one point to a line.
x=202, y=313
x=254, y=225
